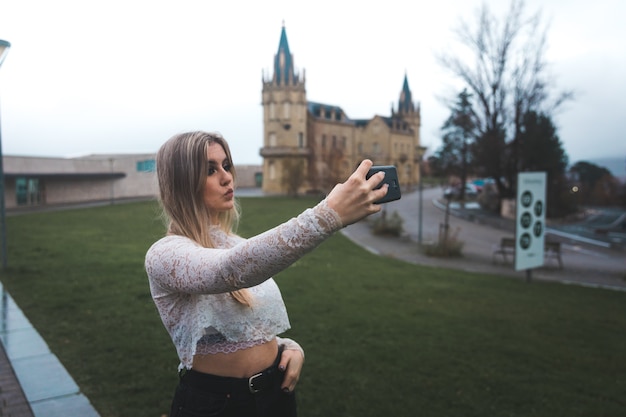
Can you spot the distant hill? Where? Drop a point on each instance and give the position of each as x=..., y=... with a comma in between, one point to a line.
x=616, y=165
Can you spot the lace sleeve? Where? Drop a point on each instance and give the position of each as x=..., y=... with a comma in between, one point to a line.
x=177, y=264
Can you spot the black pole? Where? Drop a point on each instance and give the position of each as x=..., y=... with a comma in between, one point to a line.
x=4, y=47
x=3, y=223
x=419, y=230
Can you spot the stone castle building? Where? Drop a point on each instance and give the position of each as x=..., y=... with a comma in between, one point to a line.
x=308, y=147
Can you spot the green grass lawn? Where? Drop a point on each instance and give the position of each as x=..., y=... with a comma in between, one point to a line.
x=382, y=337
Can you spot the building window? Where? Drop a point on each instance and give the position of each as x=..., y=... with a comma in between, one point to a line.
x=301, y=143
x=272, y=111
x=149, y=165
x=272, y=139
x=27, y=191
x=375, y=148
x=286, y=110
x=360, y=148
x=323, y=141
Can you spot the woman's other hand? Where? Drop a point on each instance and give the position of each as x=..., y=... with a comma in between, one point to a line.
x=354, y=199
x=291, y=364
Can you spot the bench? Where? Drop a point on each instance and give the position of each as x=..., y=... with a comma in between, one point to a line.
x=506, y=247
x=553, y=250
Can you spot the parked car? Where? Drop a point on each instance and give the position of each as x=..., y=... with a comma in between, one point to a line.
x=481, y=182
x=471, y=191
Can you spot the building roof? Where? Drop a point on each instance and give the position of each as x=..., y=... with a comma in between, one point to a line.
x=283, y=62
x=362, y=122
x=327, y=111
x=66, y=175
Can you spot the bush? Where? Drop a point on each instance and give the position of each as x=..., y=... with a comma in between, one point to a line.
x=388, y=227
x=447, y=246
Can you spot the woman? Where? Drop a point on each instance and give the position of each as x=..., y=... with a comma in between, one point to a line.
x=213, y=289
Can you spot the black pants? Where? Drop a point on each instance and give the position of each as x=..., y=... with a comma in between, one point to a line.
x=204, y=395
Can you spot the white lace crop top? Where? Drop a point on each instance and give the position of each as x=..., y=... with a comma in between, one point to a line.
x=190, y=284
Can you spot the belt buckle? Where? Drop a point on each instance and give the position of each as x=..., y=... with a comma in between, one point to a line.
x=254, y=390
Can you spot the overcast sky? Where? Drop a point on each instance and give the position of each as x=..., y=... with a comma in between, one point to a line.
x=122, y=76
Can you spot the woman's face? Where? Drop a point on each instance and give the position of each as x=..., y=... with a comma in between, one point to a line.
x=219, y=189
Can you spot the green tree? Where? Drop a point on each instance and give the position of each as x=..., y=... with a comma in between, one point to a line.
x=459, y=131
x=293, y=175
x=596, y=185
x=589, y=173
x=540, y=149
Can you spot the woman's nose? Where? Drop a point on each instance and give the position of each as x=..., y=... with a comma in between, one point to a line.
x=227, y=177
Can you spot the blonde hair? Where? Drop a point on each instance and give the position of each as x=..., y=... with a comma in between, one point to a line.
x=182, y=168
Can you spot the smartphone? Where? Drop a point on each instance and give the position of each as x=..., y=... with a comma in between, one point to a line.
x=391, y=178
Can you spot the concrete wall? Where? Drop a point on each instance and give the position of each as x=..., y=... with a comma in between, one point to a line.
x=247, y=175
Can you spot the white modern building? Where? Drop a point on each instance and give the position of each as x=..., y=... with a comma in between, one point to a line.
x=42, y=181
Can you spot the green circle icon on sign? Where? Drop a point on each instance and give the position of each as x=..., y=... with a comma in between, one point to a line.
x=527, y=199
x=538, y=229
x=538, y=208
x=525, y=220
x=524, y=241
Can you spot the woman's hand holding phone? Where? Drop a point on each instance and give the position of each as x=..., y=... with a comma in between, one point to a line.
x=355, y=198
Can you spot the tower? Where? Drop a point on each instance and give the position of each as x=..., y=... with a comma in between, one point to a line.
x=408, y=116
x=407, y=110
x=285, y=152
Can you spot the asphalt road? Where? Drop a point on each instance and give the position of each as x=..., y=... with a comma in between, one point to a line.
x=584, y=264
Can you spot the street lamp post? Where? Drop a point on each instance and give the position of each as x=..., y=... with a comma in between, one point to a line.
x=420, y=188
x=419, y=231
x=4, y=50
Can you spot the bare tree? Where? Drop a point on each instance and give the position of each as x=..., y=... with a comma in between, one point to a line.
x=293, y=175
x=508, y=78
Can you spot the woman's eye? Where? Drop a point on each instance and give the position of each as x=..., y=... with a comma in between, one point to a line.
x=211, y=171
x=227, y=167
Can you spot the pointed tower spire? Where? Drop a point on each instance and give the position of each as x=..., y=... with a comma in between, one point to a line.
x=405, y=103
x=283, y=62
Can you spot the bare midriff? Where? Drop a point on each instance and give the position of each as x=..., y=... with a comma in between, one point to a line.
x=240, y=364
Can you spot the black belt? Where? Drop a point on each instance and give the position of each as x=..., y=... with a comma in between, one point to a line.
x=262, y=381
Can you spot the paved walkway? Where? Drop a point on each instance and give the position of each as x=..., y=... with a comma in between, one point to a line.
x=13, y=402
x=33, y=382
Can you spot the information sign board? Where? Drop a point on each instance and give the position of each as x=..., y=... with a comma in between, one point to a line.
x=530, y=213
